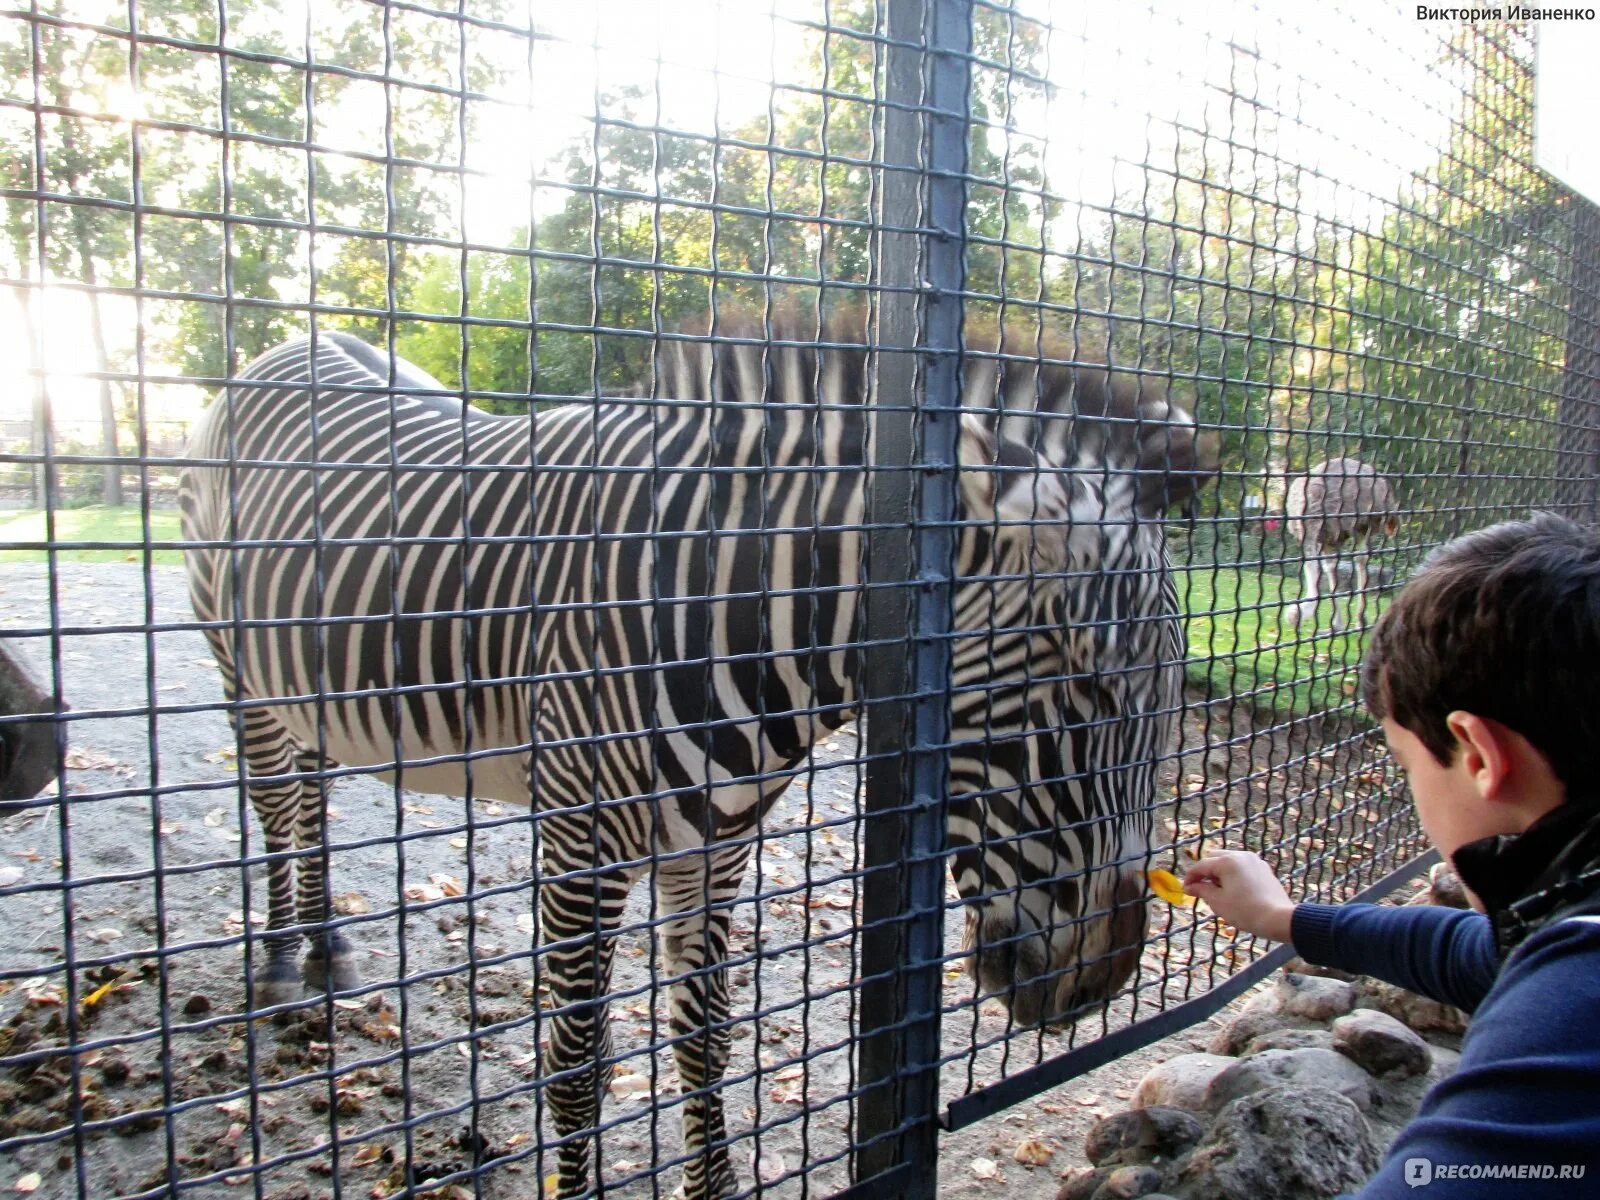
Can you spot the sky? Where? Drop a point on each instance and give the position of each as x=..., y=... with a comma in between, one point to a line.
x=1342, y=92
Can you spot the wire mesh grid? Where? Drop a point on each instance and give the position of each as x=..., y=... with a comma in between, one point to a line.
x=880, y=478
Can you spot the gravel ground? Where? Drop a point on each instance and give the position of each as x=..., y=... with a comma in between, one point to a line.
x=154, y=924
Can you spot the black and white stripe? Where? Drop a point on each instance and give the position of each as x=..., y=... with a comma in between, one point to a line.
x=635, y=611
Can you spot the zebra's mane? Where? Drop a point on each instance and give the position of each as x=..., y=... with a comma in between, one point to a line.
x=1027, y=389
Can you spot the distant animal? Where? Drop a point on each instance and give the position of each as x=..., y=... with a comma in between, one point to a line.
x=1332, y=511
x=637, y=615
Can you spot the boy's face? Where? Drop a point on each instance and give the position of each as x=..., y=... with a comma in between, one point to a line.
x=1448, y=802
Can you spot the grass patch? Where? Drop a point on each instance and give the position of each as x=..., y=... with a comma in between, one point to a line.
x=113, y=534
x=1240, y=644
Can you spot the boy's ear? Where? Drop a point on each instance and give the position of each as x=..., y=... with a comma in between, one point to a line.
x=1486, y=749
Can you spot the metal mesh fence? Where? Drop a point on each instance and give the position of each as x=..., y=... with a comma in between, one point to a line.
x=726, y=545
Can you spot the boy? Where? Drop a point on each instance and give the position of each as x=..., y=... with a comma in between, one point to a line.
x=1485, y=672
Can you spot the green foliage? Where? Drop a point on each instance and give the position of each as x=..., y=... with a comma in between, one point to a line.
x=122, y=526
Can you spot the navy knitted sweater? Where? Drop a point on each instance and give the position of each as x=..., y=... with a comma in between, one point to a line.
x=1524, y=1105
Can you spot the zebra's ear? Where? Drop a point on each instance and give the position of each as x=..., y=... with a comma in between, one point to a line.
x=1005, y=483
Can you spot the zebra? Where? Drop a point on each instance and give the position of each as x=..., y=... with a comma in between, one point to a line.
x=678, y=573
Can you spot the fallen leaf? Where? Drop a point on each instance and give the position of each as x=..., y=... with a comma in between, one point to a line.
x=525, y=922
x=350, y=904
x=422, y=892
x=986, y=1168
x=550, y=1185
x=1169, y=887
x=10, y=875
x=99, y=994
x=80, y=759
x=1034, y=1153
x=28, y=1182
x=628, y=1087
x=449, y=885
x=216, y=818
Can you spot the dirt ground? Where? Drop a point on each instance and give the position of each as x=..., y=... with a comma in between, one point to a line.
x=138, y=885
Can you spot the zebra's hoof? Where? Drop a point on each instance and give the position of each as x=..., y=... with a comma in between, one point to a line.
x=331, y=966
x=719, y=1189
x=276, y=983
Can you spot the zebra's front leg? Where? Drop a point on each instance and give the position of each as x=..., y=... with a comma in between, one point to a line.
x=330, y=963
x=277, y=807
x=698, y=892
x=579, y=915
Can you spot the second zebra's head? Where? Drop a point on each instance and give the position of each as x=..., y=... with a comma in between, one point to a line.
x=1068, y=671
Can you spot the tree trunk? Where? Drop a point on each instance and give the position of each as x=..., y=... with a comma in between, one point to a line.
x=111, y=492
x=41, y=493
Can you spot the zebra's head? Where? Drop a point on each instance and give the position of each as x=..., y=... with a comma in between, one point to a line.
x=1069, y=474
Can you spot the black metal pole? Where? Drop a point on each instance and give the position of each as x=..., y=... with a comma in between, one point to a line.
x=1580, y=385
x=913, y=486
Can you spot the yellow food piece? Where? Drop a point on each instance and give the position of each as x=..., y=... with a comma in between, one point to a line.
x=1168, y=886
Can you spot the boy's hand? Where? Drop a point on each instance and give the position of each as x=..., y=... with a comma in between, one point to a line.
x=1243, y=891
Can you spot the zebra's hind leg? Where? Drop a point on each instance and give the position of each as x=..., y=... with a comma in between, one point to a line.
x=269, y=757
x=330, y=964
x=697, y=890
x=579, y=912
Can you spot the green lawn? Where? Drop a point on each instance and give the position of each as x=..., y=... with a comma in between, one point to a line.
x=120, y=530
x=1240, y=645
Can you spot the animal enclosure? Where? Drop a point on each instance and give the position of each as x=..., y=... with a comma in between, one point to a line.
x=642, y=595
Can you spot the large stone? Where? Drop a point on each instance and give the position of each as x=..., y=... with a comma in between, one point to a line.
x=1307, y=1068
x=1316, y=998
x=1238, y=1033
x=1128, y=1183
x=1284, y=1143
x=1142, y=1135
x=1291, y=1039
x=1083, y=1183
x=1181, y=1082
x=1378, y=1043
x=1419, y=1012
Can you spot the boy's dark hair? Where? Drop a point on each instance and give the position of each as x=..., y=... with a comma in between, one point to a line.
x=1503, y=623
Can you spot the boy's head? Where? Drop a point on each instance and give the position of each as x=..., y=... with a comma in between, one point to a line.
x=1484, y=671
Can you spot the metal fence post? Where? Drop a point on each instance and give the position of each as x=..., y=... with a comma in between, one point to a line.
x=1579, y=416
x=913, y=500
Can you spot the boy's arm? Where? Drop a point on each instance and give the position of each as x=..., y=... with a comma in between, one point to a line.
x=1443, y=953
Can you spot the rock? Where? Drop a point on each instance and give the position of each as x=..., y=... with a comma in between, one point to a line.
x=1291, y=1039
x=1128, y=1183
x=197, y=1004
x=1219, y=763
x=1284, y=1143
x=1238, y=1033
x=1445, y=888
x=1299, y=966
x=1418, y=1012
x=1378, y=1043
x=1084, y=1183
x=1445, y=1061
x=1316, y=998
x=1296, y=1069
x=1181, y=1082
x=1142, y=1135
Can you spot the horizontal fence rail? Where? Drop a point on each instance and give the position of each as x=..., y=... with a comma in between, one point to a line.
x=636, y=596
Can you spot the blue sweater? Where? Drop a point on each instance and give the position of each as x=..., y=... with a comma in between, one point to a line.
x=1527, y=1092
